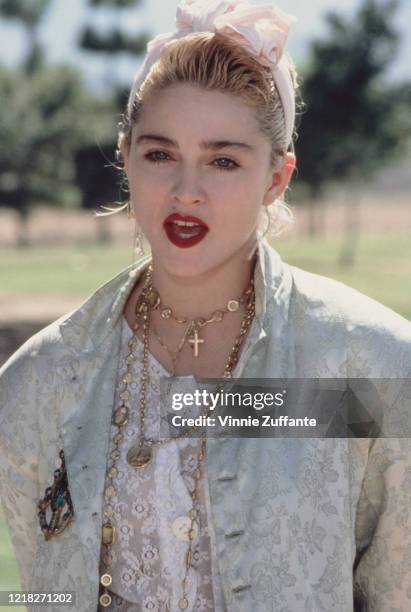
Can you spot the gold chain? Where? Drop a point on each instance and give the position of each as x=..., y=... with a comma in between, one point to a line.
x=193, y=326
x=140, y=456
x=216, y=316
x=176, y=353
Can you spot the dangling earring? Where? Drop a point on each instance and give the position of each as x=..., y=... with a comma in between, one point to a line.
x=130, y=211
x=138, y=241
x=138, y=248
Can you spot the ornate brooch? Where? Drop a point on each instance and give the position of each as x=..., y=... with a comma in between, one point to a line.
x=56, y=508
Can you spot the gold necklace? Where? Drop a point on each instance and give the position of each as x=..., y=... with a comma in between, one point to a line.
x=174, y=354
x=194, y=325
x=140, y=455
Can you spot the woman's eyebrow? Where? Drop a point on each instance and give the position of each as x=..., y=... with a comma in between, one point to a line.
x=213, y=145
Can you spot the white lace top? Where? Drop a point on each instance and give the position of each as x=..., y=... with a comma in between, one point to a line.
x=151, y=510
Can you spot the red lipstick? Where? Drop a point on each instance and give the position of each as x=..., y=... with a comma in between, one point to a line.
x=185, y=231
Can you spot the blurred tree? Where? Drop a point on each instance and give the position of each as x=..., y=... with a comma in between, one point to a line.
x=29, y=13
x=355, y=121
x=95, y=170
x=98, y=178
x=114, y=42
x=44, y=120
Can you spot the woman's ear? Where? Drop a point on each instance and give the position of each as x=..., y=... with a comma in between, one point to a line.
x=279, y=179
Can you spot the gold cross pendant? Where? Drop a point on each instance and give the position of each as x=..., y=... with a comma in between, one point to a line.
x=195, y=341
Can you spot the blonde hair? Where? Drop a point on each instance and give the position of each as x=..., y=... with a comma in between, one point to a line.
x=214, y=62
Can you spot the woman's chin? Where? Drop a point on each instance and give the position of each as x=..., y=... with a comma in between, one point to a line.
x=201, y=259
x=183, y=266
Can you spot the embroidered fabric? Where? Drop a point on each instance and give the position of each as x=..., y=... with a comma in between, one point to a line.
x=150, y=509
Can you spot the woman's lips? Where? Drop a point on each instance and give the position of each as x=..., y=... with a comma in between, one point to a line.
x=184, y=231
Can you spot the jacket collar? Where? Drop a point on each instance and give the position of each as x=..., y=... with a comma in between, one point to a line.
x=86, y=328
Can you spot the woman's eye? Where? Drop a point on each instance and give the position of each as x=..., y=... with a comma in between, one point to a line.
x=228, y=164
x=157, y=156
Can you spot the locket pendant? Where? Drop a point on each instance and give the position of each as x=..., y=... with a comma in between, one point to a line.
x=140, y=456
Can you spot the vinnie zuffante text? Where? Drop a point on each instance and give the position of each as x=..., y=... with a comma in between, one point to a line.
x=212, y=400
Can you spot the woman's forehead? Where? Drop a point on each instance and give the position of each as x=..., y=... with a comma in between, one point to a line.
x=211, y=117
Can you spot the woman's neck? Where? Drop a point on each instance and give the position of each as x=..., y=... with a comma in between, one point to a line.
x=194, y=298
x=199, y=296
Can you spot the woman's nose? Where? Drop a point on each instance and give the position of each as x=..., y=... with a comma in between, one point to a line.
x=188, y=188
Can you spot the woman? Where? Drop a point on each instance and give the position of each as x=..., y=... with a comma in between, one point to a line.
x=97, y=501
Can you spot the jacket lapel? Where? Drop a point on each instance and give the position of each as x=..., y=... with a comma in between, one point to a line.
x=85, y=427
x=93, y=335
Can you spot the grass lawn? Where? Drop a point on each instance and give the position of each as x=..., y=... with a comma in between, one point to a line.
x=9, y=579
x=382, y=268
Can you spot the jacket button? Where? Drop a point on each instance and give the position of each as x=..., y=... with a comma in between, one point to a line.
x=241, y=587
x=225, y=477
x=234, y=534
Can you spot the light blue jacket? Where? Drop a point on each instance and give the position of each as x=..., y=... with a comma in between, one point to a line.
x=300, y=523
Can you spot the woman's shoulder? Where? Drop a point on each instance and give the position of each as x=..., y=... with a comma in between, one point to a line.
x=40, y=347
x=317, y=300
x=73, y=334
x=375, y=340
x=324, y=298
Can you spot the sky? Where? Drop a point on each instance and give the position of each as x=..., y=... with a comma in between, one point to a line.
x=65, y=18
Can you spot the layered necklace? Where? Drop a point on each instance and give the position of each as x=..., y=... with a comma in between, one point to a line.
x=140, y=454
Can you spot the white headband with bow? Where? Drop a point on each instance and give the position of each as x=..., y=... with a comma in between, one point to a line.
x=260, y=29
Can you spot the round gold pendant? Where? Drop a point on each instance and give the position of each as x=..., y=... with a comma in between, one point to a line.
x=183, y=603
x=105, y=600
x=233, y=305
x=106, y=580
x=184, y=528
x=153, y=298
x=139, y=456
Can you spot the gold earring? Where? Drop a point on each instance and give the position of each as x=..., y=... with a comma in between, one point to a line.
x=138, y=241
x=130, y=211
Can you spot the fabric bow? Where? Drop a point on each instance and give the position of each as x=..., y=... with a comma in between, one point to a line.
x=260, y=29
